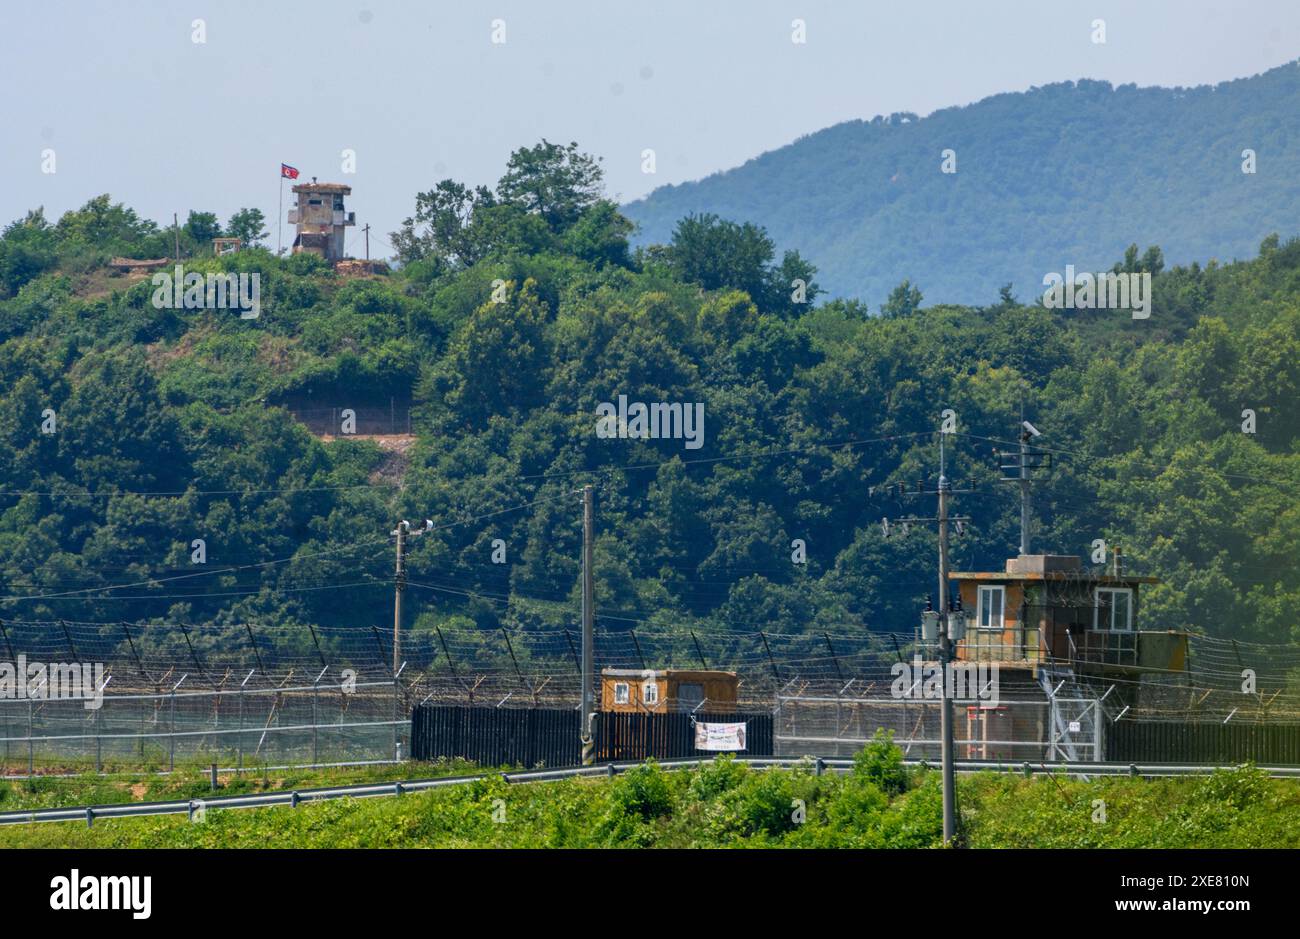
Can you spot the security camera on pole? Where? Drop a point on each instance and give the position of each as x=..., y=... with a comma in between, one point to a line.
x=402, y=531
x=1018, y=467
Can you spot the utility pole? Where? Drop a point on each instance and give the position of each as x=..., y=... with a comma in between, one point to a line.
x=588, y=630
x=176, y=230
x=945, y=656
x=947, y=619
x=400, y=588
x=367, y=231
x=402, y=531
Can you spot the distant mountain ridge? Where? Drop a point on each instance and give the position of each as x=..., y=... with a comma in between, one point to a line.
x=1067, y=173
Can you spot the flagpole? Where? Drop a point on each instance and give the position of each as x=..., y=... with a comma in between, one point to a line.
x=279, y=218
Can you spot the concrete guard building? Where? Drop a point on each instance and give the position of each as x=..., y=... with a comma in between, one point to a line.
x=321, y=219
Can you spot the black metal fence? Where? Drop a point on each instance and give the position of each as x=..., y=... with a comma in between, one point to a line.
x=1203, y=742
x=496, y=736
x=634, y=736
x=549, y=736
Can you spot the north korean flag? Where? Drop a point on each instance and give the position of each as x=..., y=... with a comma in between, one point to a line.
x=288, y=172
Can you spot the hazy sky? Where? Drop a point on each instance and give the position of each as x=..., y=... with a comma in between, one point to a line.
x=132, y=106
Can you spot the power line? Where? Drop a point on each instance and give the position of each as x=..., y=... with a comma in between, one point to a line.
x=765, y=454
x=263, y=564
x=75, y=492
x=1160, y=468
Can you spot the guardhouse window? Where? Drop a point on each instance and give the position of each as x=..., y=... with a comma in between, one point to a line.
x=990, y=613
x=650, y=693
x=1113, y=609
x=621, y=692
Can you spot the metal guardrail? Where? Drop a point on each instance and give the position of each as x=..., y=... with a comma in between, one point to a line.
x=294, y=798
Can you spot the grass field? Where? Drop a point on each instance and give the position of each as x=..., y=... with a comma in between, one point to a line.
x=880, y=804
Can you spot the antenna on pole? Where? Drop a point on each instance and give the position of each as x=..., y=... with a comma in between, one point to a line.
x=1024, y=479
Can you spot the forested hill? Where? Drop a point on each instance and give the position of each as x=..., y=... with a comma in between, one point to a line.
x=1068, y=173
x=129, y=429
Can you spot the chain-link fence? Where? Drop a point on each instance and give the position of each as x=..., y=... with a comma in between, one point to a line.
x=269, y=693
x=361, y=420
x=302, y=724
x=839, y=726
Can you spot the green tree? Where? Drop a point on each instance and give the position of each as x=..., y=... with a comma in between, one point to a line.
x=442, y=225
x=246, y=225
x=27, y=249
x=791, y=289
x=904, y=300
x=103, y=226
x=494, y=363
x=716, y=253
x=600, y=235
x=200, y=228
x=558, y=182
x=115, y=430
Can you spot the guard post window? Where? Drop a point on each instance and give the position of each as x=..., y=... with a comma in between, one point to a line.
x=1114, y=609
x=992, y=601
x=620, y=692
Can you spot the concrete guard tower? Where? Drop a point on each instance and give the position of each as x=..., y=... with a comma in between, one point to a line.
x=321, y=219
